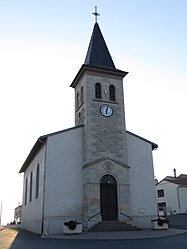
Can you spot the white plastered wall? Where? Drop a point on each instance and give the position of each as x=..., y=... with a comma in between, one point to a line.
x=183, y=198
x=142, y=183
x=64, y=180
x=32, y=212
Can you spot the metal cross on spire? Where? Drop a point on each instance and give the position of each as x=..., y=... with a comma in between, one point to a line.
x=96, y=14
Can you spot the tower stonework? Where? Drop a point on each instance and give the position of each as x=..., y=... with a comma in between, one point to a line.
x=99, y=107
x=103, y=136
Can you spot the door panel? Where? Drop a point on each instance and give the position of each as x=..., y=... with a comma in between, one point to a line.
x=108, y=198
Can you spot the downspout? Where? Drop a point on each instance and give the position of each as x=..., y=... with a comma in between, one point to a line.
x=43, y=201
x=1, y=208
x=178, y=196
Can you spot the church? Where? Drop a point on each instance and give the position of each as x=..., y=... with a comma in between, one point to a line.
x=95, y=171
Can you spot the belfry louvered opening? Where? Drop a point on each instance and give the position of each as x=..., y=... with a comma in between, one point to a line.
x=98, y=90
x=112, y=93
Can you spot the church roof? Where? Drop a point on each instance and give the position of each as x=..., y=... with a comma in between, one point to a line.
x=42, y=140
x=153, y=145
x=98, y=53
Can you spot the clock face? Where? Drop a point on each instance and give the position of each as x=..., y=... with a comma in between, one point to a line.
x=106, y=110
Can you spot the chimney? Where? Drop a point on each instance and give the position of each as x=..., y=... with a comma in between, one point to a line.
x=174, y=171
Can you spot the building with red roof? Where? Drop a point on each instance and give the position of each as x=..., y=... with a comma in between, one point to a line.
x=172, y=194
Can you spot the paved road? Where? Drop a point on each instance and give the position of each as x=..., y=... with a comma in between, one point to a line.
x=19, y=239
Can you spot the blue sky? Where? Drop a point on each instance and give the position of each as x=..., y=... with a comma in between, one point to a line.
x=43, y=43
x=159, y=25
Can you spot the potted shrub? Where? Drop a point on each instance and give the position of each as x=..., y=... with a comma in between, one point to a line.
x=72, y=227
x=160, y=223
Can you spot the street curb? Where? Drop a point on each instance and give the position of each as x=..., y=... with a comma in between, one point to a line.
x=127, y=235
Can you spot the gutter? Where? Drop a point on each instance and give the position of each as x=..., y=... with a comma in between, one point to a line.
x=178, y=197
x=44, y=177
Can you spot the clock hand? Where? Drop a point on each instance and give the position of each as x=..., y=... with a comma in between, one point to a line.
x=107, y=109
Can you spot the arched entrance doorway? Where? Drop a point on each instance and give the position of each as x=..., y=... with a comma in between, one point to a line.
x=108, y=198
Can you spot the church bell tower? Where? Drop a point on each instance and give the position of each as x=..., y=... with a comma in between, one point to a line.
x=99, y=107
x=99, y=103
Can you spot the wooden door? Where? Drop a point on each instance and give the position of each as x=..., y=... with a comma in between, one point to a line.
x=108, y=198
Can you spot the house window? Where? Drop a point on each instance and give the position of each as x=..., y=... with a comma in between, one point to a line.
x=98, y=90
x=112, y=93
x=26, y=186
x=160, y=193
x=37, y=181
x=30, y=196
x=162, y=204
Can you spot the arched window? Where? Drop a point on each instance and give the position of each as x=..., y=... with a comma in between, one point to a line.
x=26, y=186
x=108, y=179
x=77, y=100
x=37, y=181
x=112, y=93
x=82, y=95
x=30, y=196
x=98, y=90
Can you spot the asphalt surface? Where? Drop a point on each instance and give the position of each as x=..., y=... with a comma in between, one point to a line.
x=15, y=238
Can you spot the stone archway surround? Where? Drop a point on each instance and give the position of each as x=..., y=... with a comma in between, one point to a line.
x=93, y=172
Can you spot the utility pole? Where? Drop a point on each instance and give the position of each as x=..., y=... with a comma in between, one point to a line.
x=1, y=207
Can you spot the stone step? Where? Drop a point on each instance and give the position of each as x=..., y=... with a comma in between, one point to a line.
x=113, y=226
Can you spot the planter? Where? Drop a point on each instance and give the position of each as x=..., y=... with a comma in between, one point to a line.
x=72, y=227
x=160, y=224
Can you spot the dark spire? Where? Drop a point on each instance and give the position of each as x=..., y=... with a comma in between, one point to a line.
x=98, y=53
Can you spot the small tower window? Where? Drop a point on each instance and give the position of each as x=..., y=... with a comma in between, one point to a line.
x=82, y=96
x=112, y=93
x=98, y=90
